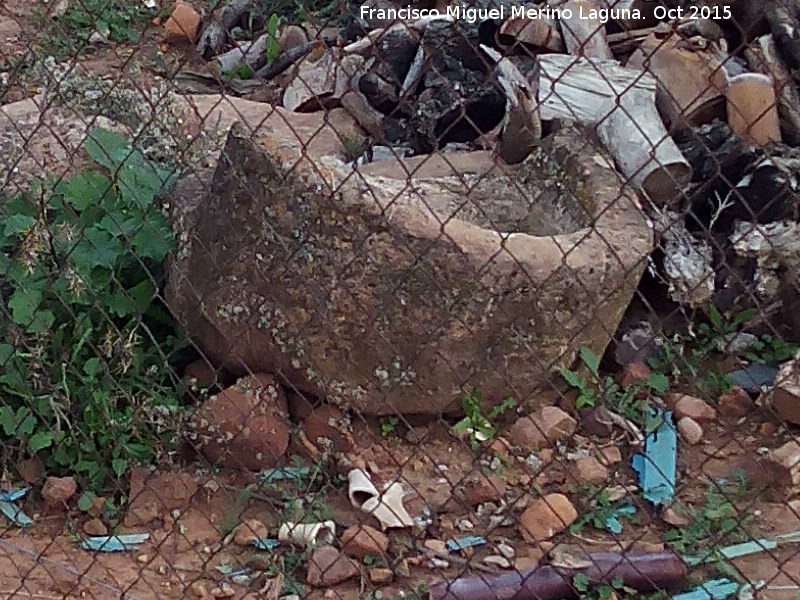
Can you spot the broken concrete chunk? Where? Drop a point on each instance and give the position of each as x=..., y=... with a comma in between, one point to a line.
x=542, y=429
x=327, y=567
x=262, y=319
x=545, y=517
x=685, y=405
x=784, y=397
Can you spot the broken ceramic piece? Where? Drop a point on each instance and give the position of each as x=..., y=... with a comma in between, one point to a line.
x=386, y=507
x=307, y=534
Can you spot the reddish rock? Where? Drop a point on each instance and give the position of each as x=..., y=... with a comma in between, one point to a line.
x=768, y=429
x=154, y=493
x=634, y=373
x=482, y=488
x=31, y=469
x=735, y=403
x=542, y=428
x=200, y=373
x=784, y=397
x=245, y=425
x=360, y=540
x=248, y=531
x=327, y=567
x=183, y=23
x=685, y=405
x=596, y=421
x=545, y=517
x=610, y=455
x=690, y=430
x=589, y=470
x=380, y=575
x=59, y=490
x=500, y=447
x=327, y=423
x=337, y=347
x=95, y=527
x=784, y=464
x=300, y=405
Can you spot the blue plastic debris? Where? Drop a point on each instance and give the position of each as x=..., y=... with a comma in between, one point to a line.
x=114, y=543
x=613, y=523
x=753, y=377
x=466, y=542
x=11, y=510
x=657, y=466
x=716, y=589
x=283, y=474
x=745, y=548
x=265, y=543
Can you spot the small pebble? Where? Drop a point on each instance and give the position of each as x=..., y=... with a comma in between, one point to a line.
x=498, y=561
x=438, y=563
x=506, y=550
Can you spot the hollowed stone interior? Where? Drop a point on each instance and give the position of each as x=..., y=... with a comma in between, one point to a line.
x=537, y=200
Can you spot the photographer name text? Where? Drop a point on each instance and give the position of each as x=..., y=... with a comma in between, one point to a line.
x=473, y=15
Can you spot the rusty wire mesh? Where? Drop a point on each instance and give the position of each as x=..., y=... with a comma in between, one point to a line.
x=307, y=317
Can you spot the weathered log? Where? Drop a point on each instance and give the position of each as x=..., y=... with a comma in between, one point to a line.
x=752, y=108
x=691, y=83
x=321, y=81
x=521, y=128
x=288, y=58
x=536, y=34
x=784, y=20
x=575, y=88
x=626, y=41
x=217, y=31
x=762, y=56
x=637, y=139
x=584, y=36
x=637, y=570
x=252, y=54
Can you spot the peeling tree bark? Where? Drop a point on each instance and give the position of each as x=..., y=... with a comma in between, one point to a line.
x=214, y=36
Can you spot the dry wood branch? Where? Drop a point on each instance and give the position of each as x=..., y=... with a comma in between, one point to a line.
x=253, y=54
x=637, y=139
x=576, y=88
x=215, y=34
x=521, y=130
x=762, y=56
x=584, y=36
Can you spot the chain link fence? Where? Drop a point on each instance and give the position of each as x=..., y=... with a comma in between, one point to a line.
x=463, y=301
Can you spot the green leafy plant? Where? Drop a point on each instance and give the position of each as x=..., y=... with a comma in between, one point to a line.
x=478, y=426
x=600, y=508
x=389, y=425
x=117, y=21
x=771, y=350
x=633, y=402
x=715, y=524
x=583, y=585
x=87, y=378
x=241, y=71
x=273, y=49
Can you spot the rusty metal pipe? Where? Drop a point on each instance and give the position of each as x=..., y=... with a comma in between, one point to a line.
x=642, y=571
